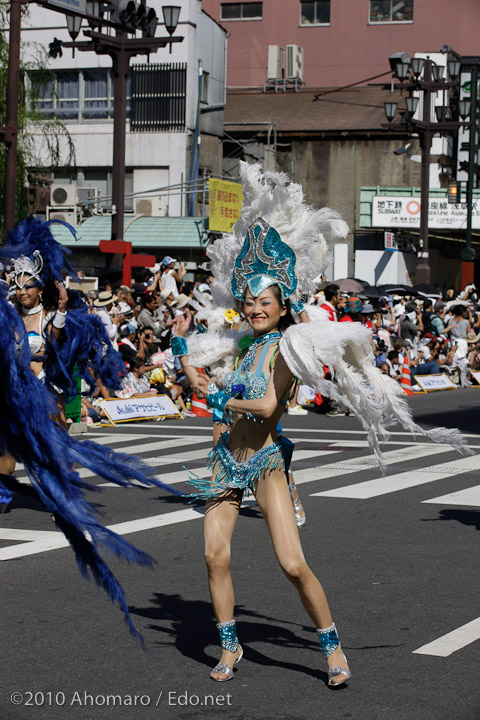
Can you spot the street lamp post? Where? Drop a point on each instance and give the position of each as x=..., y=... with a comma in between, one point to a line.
x=121, y=49
x=426, y=77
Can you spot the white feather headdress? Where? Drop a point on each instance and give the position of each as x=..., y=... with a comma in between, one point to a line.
x=280, y=203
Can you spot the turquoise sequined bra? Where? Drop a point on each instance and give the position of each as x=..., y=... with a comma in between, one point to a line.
x=250, y=385
x=244, y=383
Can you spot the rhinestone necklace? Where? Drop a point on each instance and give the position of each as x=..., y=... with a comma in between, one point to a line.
x=249, y=358
x=29, y=313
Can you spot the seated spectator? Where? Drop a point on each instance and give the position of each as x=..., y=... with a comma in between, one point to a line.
x=437, y=325
x=179, y=304
x=459, y=326
x=421, y=361
x=104, y=308
x=473, y=356
x=352, y=311
x=137, y=379
x=146, y=318
x=426, y=315
x=408, y=328
x=127, y=346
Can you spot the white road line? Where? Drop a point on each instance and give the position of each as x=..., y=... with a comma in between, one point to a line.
x=452, y=641
x=181, y=441
x=41, y=541
x=366, y=462
x=470, y=496
x=405, y=443
x=402, y=481
x=34, y=542
x=107, y=439
x=287, y=430
x=150, y=447
x=180, y=476
x=156, y=521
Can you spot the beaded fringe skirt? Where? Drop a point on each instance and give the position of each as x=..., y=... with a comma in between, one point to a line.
x=233, y=475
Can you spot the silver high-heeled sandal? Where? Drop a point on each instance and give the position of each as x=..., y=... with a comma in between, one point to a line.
x=328, y=643
x=228, y=641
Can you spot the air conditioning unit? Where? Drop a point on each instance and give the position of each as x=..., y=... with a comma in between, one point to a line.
x=88, y=198
x=150, y=207
x=67, y=214
x=276, y=62
x=63, y=195
x=294, y=64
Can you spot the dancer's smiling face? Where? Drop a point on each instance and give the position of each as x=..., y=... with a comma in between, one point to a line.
x=29, y=296
x=263, y=313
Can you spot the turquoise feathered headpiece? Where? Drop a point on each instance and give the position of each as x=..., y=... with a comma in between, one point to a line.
x=264, y=260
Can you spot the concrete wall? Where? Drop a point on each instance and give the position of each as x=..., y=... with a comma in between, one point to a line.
x=332, y=171
x=384, y=267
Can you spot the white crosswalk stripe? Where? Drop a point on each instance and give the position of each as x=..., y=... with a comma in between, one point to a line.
x=366, y=462
x=150, y=447
x=452, y=641
x=470, y=497
x=350, y=459
x=401, y=481
x=173, y=478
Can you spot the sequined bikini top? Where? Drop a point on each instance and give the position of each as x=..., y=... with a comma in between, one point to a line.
x=244, y=383
x=35, y=342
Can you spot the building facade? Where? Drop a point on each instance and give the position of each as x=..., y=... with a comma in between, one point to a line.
x=307, y=81
x=341, y=41
x=174, y=127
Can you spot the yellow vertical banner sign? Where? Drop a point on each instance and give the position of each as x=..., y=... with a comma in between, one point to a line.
x=226, y=200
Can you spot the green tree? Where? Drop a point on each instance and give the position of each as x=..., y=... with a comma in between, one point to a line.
x=43, y=143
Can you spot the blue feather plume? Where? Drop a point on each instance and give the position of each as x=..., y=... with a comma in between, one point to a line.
x=30, y=435
x=33, y=234
x=84, y=350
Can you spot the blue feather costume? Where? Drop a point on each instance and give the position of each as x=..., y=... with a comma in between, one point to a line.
x=30, y=435
x=84, y=351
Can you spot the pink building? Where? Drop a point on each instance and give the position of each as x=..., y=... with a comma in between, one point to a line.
x=343, y=41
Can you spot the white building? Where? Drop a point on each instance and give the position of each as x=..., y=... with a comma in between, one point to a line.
x=171, y=96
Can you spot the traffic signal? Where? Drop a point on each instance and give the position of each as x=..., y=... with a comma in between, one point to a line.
x=133, y=16
x=454, y=193
x=55, y=48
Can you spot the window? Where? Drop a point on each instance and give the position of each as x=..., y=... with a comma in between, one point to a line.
x=242, y=11
x=159, y=95
x=76, y=95
x=391, y=11
x=314, y=13
x=204, y=88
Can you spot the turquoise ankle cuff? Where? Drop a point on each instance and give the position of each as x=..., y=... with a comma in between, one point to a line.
x=328, y=640
x=228, y=635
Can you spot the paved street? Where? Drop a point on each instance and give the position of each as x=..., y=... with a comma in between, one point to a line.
x=398, y=557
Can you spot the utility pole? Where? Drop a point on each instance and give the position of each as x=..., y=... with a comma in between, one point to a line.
x=10, y=136
x=121, y=49
x=468, y=253
x=422, y=272
x=425, y=76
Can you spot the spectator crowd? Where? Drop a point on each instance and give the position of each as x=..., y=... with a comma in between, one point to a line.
x=430, y=335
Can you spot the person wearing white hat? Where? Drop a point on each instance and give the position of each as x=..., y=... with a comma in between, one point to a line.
x=103, y=306
x=180, y=302
x=170, y=276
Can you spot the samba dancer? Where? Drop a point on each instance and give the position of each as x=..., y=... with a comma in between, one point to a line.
x=29, y=429
x=277, y=243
